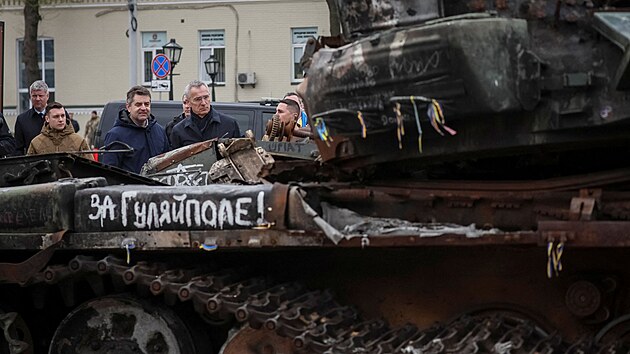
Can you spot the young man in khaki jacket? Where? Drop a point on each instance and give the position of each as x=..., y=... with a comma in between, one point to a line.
x=57, y=135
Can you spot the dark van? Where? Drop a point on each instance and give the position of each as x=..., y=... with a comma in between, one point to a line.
x=250, y=116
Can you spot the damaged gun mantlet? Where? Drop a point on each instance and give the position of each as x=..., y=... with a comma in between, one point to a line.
x=186, y=166
x=242, y=162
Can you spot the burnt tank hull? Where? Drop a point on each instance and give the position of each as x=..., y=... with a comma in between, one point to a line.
x=306, y=268
x=490, y=213
x=528, y=78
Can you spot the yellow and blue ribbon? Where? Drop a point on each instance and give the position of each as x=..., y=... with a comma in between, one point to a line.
x=417, y=116
x=362, y=122
x=128, y=248
x=436, y=117
x=205, y=247
x=550, y=258
x=322, y=131
x=558, y=262
x=400, y=129
x=554, y=259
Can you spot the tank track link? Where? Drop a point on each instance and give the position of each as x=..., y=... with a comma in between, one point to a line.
x=314, y=320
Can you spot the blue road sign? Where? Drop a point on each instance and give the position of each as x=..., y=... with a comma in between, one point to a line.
x=160, y=66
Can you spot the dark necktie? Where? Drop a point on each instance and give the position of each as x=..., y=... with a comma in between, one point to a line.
x=41, y=115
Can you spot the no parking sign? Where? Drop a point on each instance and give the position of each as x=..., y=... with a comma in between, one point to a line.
x=160, y=66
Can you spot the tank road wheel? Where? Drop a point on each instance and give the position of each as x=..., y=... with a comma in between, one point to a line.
x=16, y=336
x=257, y=341
x=123, y=324
x=513, y=314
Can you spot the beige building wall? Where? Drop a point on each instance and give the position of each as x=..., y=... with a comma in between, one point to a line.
x=92, y=51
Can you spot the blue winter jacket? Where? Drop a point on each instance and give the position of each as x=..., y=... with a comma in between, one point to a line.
x=146, y=142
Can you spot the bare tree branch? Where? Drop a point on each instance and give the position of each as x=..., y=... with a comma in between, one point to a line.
x=29, y=54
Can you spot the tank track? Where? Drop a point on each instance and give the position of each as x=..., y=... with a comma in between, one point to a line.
x=314, y=320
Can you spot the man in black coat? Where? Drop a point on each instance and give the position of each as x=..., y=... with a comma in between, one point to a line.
x=75, y=124
x=204, y=122
x=178, y=118
x=29, y=124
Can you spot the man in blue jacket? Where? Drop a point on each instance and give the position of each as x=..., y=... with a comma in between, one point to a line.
x=204, y=122
x=136, y=127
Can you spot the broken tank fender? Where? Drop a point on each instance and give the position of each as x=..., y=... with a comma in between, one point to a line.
x=45, y=207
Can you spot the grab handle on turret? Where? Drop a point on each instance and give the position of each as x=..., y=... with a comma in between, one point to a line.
x=107, y=149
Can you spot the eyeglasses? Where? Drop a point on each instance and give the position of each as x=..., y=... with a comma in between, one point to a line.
x=198, y=99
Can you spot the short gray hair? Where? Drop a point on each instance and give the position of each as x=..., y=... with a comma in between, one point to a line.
x=38, y=85
x=194, y=83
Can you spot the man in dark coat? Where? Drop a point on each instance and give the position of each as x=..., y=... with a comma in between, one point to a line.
x=29, y=124
x=136, y=127
x=204, y=122
x=7, y=142
x=75, y=124
x=91, y=127
x=178, y=118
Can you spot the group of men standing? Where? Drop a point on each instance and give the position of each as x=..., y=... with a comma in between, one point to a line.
x=42, y=129
x=47, y=128
x=137, y=128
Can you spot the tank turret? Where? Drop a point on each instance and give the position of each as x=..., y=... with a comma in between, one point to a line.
x=430, y=82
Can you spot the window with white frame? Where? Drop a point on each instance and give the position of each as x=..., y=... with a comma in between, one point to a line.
x=152, y=43
x=212, y=42
x=299, y=37
x=46, y=63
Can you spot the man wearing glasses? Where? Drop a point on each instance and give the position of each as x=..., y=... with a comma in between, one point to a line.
x=204, y=122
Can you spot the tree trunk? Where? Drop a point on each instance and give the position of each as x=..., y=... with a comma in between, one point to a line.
x=29, y=54
x=333, y=16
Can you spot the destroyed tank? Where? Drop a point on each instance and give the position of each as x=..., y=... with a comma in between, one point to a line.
x=469, y=194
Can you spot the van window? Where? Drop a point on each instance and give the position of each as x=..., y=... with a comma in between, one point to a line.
x=266, y=116
x=164, y=114
x=244, y=118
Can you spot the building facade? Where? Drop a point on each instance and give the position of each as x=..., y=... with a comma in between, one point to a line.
x=85, y=51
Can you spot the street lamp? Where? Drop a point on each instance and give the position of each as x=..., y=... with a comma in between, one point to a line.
x=173, y=52
x=212, y=68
